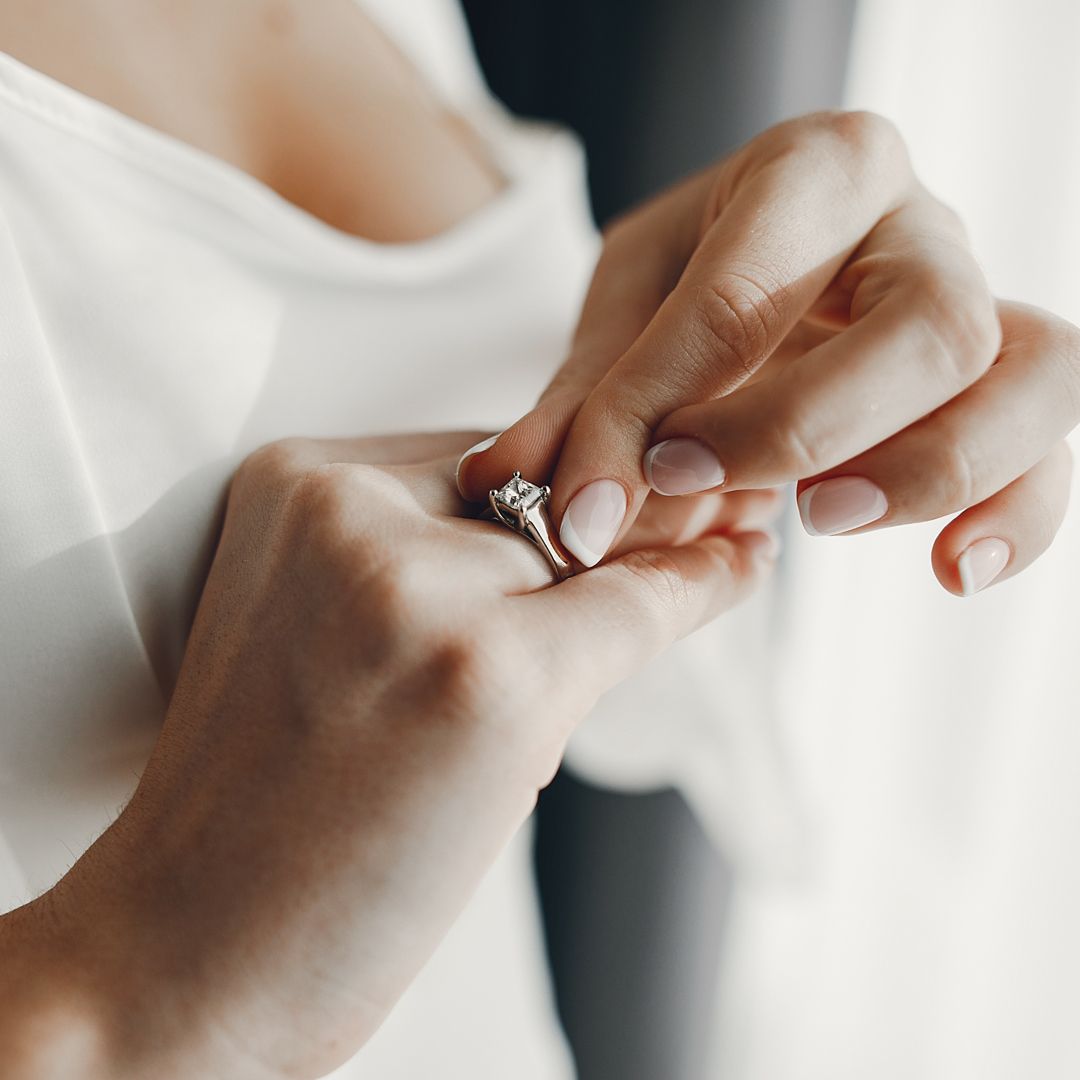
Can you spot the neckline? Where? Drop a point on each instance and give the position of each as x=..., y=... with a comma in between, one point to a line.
x=217, y=181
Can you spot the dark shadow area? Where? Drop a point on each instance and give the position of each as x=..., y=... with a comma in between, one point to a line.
x=658, y=89
x=633, y=893
x=634, y=896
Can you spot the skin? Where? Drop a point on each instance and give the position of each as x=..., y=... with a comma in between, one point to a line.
x=348, y=749
x=807, y=310
x=227, y=926
x=310, y=98
x=224, y=926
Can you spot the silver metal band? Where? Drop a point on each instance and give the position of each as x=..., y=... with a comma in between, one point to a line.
x=522, y=506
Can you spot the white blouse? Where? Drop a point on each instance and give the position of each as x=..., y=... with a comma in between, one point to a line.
x=894, y=769
x=161, y=315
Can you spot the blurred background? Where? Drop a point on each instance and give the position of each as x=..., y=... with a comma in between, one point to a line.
x=634, y=892
x=936, y=941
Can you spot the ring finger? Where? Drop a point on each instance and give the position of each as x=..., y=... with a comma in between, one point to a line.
x=970, y=448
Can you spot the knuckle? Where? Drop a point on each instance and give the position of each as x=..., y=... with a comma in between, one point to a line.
x=318, y=500
x=952, y=223
x=481, y=674
x=666, y=587
x=1054, y=489
x=1068, y=463
x=331, y=548
x=738, y=320
x=960, y=317
x=455, y=668
x=474, y=661
x=796, y=452
x=1063, y=354
x=386, y=594
x=863, y=145
x=957, y=478
x=867, y=134
x=269, y=471
x=1044, y=518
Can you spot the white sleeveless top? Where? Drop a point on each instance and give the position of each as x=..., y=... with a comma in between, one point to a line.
x=161, y=315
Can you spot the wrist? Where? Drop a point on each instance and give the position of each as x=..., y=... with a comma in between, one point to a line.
x=123, y=978
x=50, y=1026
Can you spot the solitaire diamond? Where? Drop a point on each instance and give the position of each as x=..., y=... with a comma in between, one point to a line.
x=519, y=495
x=522, y=506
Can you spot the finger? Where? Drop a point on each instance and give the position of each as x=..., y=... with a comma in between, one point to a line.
x=924, y=328
x=512, y=563
x=427, y=461
x=772, y=250
x=670, y=522
x=1004, y=534
x=623, y=296
x=968, y=449
x=407, y=449
x=604, y=624
x=786, y=212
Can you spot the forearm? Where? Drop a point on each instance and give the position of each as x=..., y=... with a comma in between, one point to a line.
x=82, y=992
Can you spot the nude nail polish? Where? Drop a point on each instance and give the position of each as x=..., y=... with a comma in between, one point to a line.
x=681, y=467
x=981, y=562
x=841, y=504
x=592, y=520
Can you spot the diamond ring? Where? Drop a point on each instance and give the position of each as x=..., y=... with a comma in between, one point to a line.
x=522, y=506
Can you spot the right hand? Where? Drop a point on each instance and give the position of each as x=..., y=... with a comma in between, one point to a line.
x=374, y=691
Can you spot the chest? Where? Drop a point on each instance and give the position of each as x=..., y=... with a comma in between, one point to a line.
x=308, y=96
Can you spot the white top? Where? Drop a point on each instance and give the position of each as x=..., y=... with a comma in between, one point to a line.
x=162, y=313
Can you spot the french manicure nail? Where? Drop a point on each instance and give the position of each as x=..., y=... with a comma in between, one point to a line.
x=681, y=467
x=479, y=448
x=840, y=505
x=592, y=520
x=981, y=562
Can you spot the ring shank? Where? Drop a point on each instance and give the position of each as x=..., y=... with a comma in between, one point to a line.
x=535, y=524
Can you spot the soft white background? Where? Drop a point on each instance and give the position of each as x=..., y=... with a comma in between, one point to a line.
x=934, y=742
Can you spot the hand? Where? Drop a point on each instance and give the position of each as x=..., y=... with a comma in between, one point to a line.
x=374, y=691
x=807, y=311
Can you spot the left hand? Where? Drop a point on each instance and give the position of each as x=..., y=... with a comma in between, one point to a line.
x=375, y=688
x=807, y=311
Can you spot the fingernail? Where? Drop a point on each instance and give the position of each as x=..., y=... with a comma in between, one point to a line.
x=840, y=505
x=764, y=543
x=681, y=467
x=479, y=448
x=592, y=520
x=981, y=562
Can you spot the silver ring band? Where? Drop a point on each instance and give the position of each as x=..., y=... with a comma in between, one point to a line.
x=522, y=506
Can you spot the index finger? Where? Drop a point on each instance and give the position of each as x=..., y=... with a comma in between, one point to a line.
x=789, y=218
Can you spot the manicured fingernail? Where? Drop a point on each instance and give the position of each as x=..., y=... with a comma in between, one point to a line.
x=592, y=520
x=840, y=505
x=681, y=467
x=981, y=562
x=479, y=448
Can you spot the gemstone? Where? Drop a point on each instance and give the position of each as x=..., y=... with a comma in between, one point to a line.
x=519, y=494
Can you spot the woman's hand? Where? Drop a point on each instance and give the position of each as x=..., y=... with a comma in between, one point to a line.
x=807, y=311
x=374, y=691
